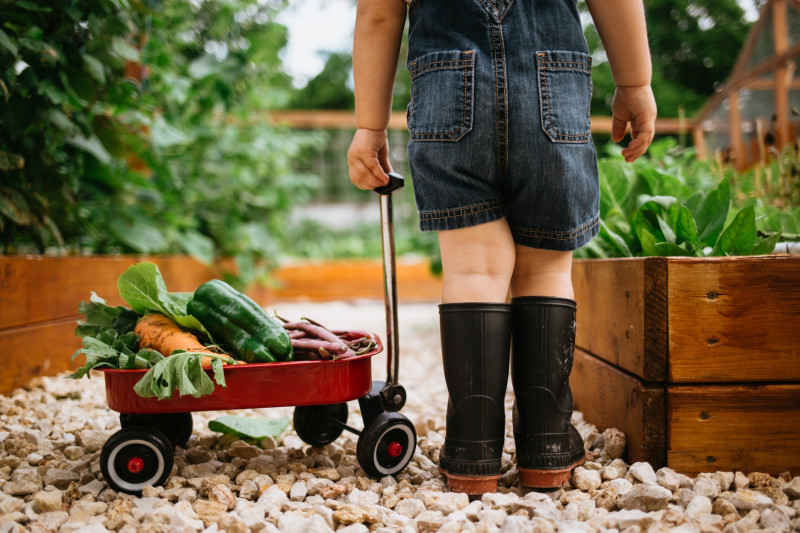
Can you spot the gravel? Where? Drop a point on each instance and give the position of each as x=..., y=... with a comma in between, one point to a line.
x=52, y=432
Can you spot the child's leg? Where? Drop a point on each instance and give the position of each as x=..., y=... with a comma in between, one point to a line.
x=477, y=263
x=542, y=273
x=475, y=323
x=543, y=330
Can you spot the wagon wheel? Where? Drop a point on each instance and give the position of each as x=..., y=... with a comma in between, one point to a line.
x=386, y=445
x=177, y=427
x=319, y=425
x=135, y=457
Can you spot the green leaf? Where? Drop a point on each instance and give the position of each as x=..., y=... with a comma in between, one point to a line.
x=124, y=50
x=143, y=236
x=14, y=207
x=614, y=240
x=199, y=246
x=255, y=428
x=686, y=230
x=91, y=145
x=648, y=243
x=95, y=68
x=181, y=372
x=766, y=245
x=143, y=288
x=740, y=235
x=712, y=212
x=5, y=42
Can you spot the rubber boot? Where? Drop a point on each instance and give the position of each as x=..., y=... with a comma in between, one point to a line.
x=548, y=446
x=476, y=340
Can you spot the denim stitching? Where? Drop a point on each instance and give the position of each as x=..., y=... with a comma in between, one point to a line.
x=556, y=235
x=461, y=212
x=458, y=64
x=547, y=123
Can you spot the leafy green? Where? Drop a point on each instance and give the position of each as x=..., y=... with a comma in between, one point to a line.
x=109, y=340
x=183, y=372
x=143, y=288
x=249, y=427
x=678, y=206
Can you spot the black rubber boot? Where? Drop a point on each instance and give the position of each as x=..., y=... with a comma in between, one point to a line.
x=548, y=446
x=476, y=340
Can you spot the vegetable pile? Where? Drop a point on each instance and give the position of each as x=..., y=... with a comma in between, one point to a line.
x=179, y=336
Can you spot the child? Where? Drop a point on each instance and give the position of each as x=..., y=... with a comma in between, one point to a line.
x=505, y=172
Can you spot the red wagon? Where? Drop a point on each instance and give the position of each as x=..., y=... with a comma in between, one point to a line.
x=141, y=453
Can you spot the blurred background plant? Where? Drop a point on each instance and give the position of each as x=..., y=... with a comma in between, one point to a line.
x=142, y=126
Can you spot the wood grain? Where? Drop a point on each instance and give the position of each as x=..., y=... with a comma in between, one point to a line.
x=39, y=289
x=608, y=397
x=734, y=319
x=622, y=313
x=39, y=350
x=734, y=427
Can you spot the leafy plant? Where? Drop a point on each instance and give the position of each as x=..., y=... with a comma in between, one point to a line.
x=140, y=127
x=671, y=204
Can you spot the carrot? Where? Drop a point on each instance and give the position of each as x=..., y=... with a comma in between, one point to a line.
x=161, y=334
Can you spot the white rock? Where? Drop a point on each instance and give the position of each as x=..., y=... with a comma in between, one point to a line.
x=48, y=500
x=698, y=506
x=645, y=498
x=631, y=517
x=746, y=499
x=613, y=442
x=707, y=486
x=410, y=507
x=586, y=480
x=792, y=488
x=521, y=524
x=298, y=492
x=497, y=500
x=615, y=469
x=297, y=523
x=446, y=502
x=740, y=481
x=644, y=473
x=273, y=497
x=668, y=479
x=363, y=498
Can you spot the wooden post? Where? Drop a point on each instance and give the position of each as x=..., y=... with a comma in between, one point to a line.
x=781, y=42
x=735, y=119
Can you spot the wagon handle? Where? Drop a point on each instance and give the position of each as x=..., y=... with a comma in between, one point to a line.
x=396, y=181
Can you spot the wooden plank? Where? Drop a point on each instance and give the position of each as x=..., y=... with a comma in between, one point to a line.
x=734, y=319
x=734, y=427
x=336, y=119
x=622, y=313
x=356, y=279
x=41, y=288
x=39, y=350
x=608, y=397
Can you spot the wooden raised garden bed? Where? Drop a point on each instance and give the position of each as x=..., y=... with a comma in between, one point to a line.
x=697, y=361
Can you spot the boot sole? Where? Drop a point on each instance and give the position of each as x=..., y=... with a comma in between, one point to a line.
x=546, y=479
x=471, y=485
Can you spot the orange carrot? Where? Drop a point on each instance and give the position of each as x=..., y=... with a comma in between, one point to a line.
x=163, y=335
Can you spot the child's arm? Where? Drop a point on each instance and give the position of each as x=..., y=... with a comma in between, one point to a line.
x=376, y=47
x=621, y=25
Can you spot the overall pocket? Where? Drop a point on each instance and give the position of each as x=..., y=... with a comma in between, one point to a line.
x=565, y=94
x=441, y=95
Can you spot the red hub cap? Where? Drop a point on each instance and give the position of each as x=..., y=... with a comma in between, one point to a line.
x=135, y=465
x=394, y=449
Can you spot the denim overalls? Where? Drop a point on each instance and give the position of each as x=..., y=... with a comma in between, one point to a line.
x=499, y=119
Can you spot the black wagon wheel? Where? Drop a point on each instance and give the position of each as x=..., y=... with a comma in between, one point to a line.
x=135, y=457
x=319, y=425
x=177, y=427
x=386, y=445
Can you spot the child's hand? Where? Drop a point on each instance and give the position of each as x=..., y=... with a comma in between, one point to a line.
x=368, y=159
x=637, y=106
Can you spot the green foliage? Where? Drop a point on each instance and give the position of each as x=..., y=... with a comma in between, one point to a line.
x=671, y=204
x=694, y=45
x=330, y=88
x=181, y=161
